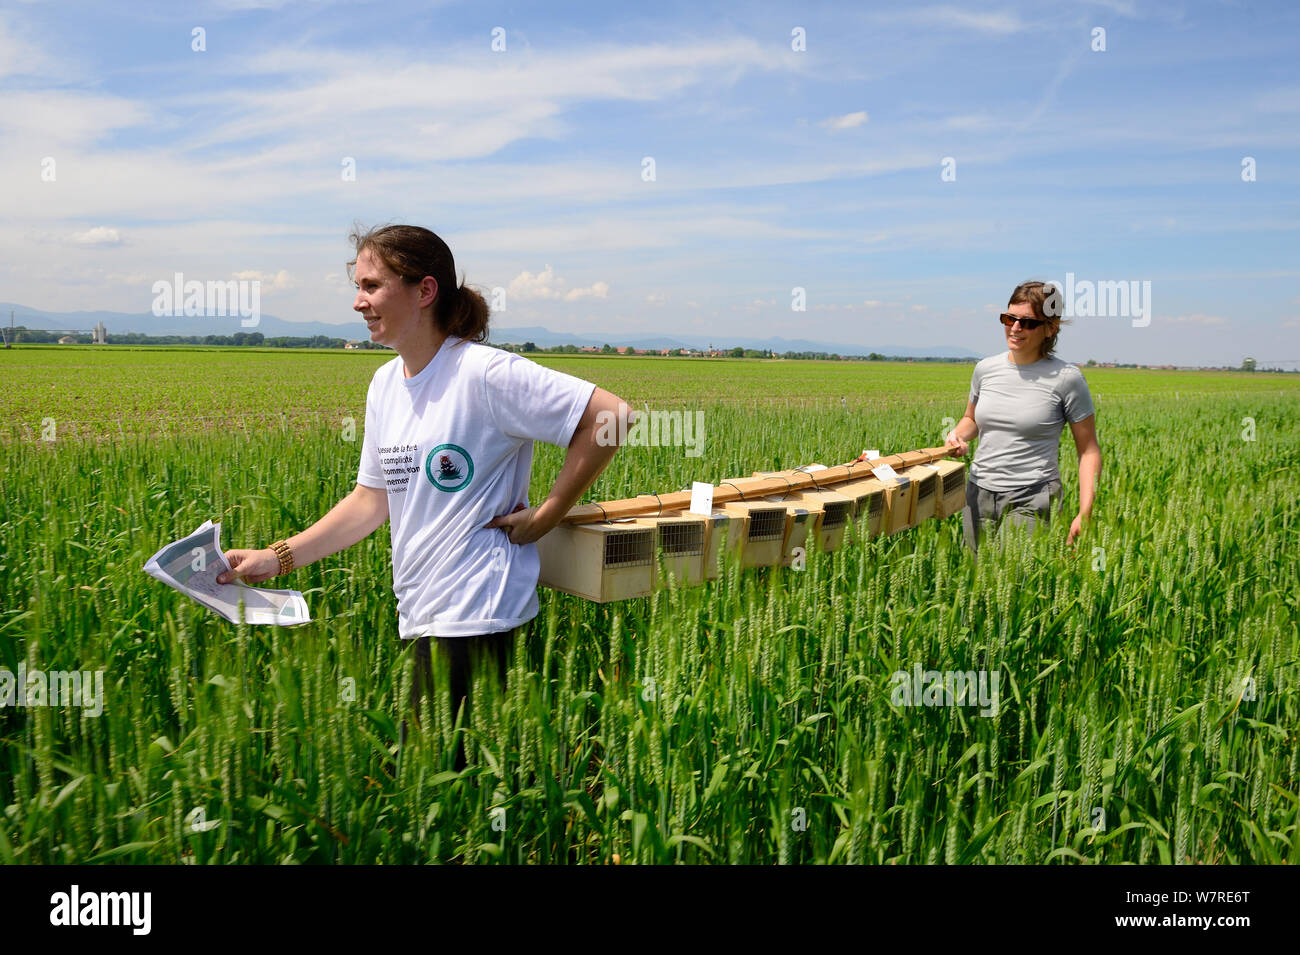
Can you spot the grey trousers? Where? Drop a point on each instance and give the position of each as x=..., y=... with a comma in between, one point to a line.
x=1026, y=506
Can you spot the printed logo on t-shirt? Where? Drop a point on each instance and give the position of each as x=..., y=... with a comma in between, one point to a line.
x=449, y=467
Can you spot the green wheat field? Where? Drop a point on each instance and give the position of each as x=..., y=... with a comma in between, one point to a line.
x=1149, y=705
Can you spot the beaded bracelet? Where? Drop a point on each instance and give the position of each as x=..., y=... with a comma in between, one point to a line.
x=283, y=552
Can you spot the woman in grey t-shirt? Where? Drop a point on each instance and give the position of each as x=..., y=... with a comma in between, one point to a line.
x=1020, y=401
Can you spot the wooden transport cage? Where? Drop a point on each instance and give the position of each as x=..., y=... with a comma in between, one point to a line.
x=602, y=562
x=681, y=547
x=615, y=550
x=836, y=515
x=900, y=505
x=764, y=531
x=926, y=479
x=952, y=492
x=868, y=497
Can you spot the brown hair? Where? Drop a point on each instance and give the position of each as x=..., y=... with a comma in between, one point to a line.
x=1046, y=302
x=413, y=253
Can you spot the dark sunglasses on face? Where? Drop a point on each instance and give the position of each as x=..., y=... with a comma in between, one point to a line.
x=1028, y=324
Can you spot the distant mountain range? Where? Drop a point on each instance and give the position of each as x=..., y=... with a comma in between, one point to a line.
x=272, y=327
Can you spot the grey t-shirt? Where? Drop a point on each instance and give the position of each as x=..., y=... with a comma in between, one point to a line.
x=1020, y=411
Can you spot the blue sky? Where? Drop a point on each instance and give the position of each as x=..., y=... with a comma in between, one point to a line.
x=774, y=168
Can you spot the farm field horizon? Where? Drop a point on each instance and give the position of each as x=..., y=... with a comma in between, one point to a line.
x=181, y=387
x=1149, y=704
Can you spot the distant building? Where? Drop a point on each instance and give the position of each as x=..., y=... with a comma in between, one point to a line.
x=354, y=344
x=67, y=340
x=100, y=334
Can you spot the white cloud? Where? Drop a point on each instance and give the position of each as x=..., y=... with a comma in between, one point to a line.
x=312, y=101
x=1123, y=7
x=847, y=121
x=271, y=281
x=54, y=120
x=656, y=298
x=982, y=21
x=99, y=235
x=547, y=285
x=129, y=278
x=595, y=290
x=19, y=56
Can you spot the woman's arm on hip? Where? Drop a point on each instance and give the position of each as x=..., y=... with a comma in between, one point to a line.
x=594, y=443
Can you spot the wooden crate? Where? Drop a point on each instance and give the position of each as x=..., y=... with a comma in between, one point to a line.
x=952, y=479
x=726, y=541
x=868, y=496
x=724, y=538
x=900, y=505
x=764, y=531
x=926, y=479
x=681, y=546
x=602, y=562
x=837, y=514
x=802, y=519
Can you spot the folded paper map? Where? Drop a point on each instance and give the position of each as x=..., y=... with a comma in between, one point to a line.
x=191, y=565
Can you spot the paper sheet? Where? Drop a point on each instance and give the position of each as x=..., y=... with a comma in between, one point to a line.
x=191, y=565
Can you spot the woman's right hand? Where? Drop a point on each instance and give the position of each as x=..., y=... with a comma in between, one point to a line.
x=254, y=566
x=959, y=447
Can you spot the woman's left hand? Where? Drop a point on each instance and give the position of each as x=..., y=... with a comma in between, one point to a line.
x=520, y=525
x=1076, y=529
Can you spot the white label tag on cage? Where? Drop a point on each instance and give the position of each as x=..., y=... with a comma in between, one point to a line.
x=872, y=454
x=701, y=498
x=884, y=472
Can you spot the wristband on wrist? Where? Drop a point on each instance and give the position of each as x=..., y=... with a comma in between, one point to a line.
x=283, y=552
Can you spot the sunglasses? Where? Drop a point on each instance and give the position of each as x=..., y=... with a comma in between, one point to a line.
x=1028, y=324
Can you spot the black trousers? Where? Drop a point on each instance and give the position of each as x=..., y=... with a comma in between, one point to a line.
x=462, y=655
x=1027, y=506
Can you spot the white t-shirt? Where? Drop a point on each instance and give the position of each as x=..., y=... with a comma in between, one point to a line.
x=453, y=447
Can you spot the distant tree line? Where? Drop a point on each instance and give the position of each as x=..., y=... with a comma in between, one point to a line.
x=39, y=336
x=735, y=352
x=21, y=334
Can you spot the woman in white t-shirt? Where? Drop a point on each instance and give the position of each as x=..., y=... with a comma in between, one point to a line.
x=446, y=458
x=1020, y=401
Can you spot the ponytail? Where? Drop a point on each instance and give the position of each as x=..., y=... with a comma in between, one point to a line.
x=464, y=315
